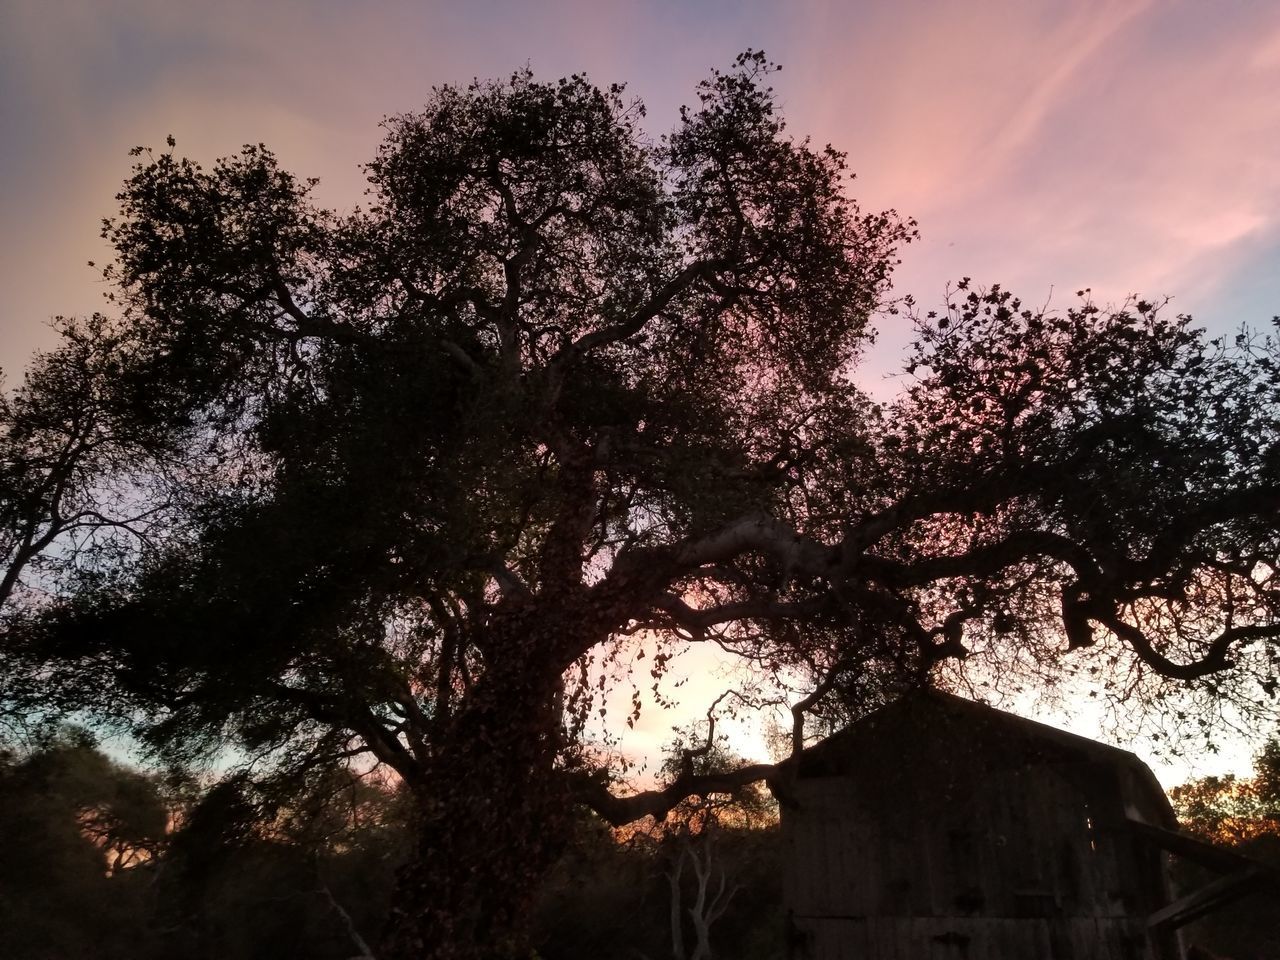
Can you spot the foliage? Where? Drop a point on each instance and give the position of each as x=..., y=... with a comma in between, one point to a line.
x=695, y=752
x=76, y=830
x=79, y=458
x=247, y=871
x=442, y=460
x=102, y=861
x=709, y=844
x=611, y=896
x=224, y=881
x=1230, y=809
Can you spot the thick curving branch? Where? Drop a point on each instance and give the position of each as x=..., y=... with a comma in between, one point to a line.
x=619, y=811
x=1215, y=659
x=698, y=620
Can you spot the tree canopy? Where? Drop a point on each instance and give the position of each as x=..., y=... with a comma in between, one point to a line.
x=424, y=472
x=1230, y=809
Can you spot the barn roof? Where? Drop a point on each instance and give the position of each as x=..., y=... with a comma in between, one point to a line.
x=929, y=721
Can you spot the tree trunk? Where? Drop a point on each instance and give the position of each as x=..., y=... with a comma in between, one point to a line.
x=676, y=914
x=492, y=820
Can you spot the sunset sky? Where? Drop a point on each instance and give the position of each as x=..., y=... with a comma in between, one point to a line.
x=1047, y=146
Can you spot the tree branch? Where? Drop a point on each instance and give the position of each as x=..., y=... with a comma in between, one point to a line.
x=619, y=811
x=1215, y=659
x=668, y=292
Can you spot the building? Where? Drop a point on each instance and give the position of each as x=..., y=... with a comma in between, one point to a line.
x=940, y=829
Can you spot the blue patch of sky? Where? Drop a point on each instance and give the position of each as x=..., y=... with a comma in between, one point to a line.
x=1248, y=295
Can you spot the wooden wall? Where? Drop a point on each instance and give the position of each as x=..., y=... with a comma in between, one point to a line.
x=993, y=938
x=984, y=864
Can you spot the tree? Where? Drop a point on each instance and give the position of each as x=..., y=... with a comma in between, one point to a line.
x=78, y=833
x=104, y=861
x=1230, y=809
x=702, y=880
x=77, y=457
x=559, y=387
x=246, y=875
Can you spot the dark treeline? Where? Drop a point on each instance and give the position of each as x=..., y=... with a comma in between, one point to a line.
x=102, y=861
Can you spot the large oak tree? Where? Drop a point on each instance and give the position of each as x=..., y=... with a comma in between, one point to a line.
x=559, y=387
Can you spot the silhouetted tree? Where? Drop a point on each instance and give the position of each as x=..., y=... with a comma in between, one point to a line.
x=76, y=455
x=1231, y=809
x=704, y=873
x=249, y=874
x=103, y=861
x=560, y=385
x=78, y=834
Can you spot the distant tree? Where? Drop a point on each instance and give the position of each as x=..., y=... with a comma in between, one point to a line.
x=1231, y=809
x=703, y=873
x=561, y=386
x=604, y=898
x=103, y=861
x=77, y=835
x=250, y=874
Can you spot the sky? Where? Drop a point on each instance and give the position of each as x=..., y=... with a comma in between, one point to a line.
x=1127, y=147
